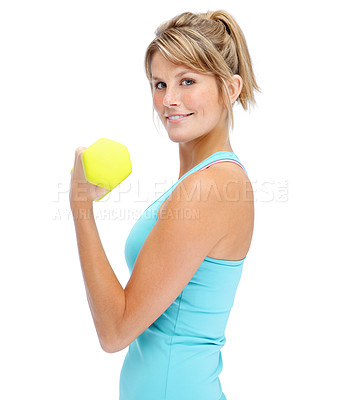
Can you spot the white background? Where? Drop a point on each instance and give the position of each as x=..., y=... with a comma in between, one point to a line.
x=72, y=72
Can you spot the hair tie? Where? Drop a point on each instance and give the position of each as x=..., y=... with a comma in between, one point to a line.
x=225, y=24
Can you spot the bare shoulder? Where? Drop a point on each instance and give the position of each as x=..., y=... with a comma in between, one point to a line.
x=222, y=186
x=222, y=198
x=236, y=190
x=232, y=181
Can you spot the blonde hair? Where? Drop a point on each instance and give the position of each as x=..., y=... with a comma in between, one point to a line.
x=210, y=42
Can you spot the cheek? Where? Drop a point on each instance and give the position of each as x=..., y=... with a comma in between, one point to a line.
x=208, y=103
x=157, y=101
x=197, y=101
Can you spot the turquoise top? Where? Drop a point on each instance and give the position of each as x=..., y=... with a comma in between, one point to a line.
x=178, y=357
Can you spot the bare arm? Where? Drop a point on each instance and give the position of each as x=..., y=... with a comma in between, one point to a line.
x=106, y=297
x=105, y=294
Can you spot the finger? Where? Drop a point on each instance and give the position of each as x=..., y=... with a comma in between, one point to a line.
x=79, y=150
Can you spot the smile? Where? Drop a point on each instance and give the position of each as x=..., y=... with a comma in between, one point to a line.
x=178, y=118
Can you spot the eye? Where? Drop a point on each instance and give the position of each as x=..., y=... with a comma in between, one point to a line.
x=189, y=80
x=184, y=80
x=156, y=85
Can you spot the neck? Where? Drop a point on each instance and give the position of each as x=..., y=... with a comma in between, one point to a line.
x=191, y=154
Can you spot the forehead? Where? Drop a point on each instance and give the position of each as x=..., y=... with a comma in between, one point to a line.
x=161, y=66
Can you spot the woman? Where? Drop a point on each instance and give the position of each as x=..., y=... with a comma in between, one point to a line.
x=186, y=252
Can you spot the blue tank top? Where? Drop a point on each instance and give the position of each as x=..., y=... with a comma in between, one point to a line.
x=178, y=357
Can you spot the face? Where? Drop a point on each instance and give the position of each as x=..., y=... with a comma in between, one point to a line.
x=190, y=96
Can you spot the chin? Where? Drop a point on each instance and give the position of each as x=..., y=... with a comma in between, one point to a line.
x=175, y=139
x=180, y=138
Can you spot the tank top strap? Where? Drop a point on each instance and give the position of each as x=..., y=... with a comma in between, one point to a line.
x=219, y=156
x=225, y=159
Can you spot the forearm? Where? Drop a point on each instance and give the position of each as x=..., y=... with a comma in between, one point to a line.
x=106, y=297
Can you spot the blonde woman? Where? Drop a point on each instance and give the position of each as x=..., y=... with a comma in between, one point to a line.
x=186, y=252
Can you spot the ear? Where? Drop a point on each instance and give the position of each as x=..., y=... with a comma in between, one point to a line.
x=235, y=87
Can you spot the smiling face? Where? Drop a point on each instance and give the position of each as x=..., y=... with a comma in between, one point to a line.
x=188, y=94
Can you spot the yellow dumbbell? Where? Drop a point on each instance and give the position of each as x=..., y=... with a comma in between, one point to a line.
x=106, y=163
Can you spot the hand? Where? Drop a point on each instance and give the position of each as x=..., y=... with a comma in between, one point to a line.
x=82, y=193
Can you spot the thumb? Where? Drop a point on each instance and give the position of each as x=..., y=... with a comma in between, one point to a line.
x=79, y=150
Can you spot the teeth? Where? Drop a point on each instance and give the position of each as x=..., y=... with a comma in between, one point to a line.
x=178, y=116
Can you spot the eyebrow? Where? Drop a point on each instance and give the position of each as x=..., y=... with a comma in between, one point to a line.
x=184, y=71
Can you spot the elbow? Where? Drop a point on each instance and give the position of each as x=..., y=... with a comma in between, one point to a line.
x=113, y=341
x=109, y=350
x=113, y=346
x=108, y=347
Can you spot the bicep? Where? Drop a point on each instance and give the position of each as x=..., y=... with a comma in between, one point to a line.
x=185, y=232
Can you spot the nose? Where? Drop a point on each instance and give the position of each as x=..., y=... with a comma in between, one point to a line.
x=171, y=98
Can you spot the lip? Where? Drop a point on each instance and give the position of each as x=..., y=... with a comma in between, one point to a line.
x=176, y=121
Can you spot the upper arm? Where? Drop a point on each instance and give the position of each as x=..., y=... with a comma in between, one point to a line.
x=189, y=226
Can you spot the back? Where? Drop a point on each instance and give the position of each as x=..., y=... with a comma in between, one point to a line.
x=178, y=356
